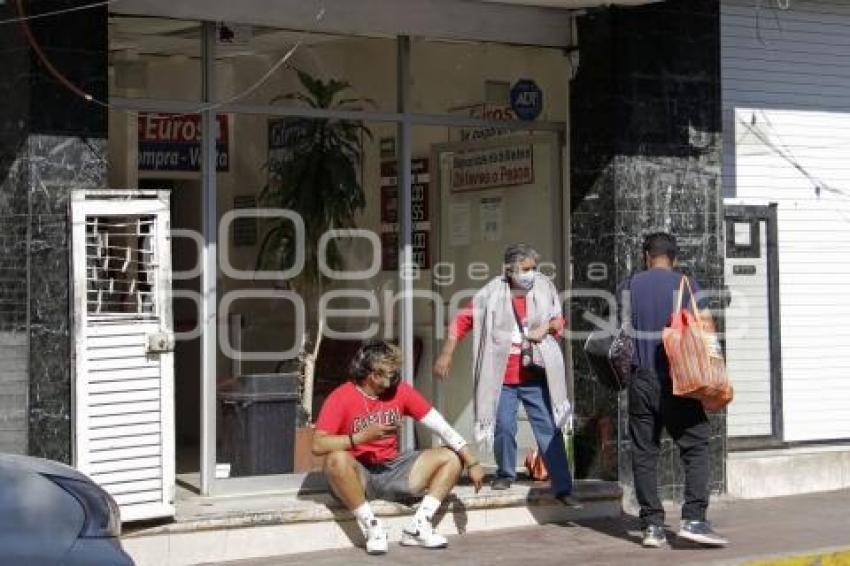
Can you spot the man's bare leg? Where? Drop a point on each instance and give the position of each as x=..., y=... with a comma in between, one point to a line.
x=343, y=473
x=437, y=471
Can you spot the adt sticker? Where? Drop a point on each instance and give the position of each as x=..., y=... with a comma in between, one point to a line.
x=527, y=99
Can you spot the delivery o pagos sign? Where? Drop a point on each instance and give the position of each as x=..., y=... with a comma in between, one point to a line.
x=491, y=168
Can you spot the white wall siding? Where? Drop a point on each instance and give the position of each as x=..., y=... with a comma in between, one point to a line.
x=786, y=114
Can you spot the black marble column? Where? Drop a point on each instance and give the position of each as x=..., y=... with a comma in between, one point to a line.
x=53, y=142
x=645, y=143
x=13, y=265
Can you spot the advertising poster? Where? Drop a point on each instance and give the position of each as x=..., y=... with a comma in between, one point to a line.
x=419, y=211
x=460, y=221
x=172, y=142
x=491, y=219
x=492, y=168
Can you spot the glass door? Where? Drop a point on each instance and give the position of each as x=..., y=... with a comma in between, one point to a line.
x=490, y=194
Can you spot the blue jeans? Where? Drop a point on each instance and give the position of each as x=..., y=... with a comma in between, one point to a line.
x=535, y=398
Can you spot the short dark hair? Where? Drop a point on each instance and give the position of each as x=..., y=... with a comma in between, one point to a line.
x=374, y=355
x=660, y=243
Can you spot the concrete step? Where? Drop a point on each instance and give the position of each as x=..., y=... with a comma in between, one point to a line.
x=234, y=528
x=788, y=471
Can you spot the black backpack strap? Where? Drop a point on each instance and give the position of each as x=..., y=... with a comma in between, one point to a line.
x=626, y=308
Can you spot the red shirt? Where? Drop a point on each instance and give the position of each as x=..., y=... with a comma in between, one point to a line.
x=347, y=410
x=514, y=372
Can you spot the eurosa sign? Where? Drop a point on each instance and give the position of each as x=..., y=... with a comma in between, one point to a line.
x=172, y=142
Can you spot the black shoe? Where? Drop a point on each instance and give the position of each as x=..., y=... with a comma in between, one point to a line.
x=700, y=532
x=569, y=501
x=654, y=537
x=500, y=484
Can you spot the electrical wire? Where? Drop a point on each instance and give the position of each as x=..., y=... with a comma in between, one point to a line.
x=23, y=19
x=63, y=80
x=784, y=6
x=58, y=12
x=257, y=84
x=818, y=184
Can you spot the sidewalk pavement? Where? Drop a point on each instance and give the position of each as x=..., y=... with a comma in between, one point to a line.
x=810, y=529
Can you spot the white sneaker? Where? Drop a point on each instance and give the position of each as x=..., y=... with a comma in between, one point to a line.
x=376, y=537
x=422, y=533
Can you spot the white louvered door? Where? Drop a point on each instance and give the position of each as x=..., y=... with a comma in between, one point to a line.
x=124, y=378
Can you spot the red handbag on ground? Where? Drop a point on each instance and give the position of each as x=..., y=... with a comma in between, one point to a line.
x=697, y=368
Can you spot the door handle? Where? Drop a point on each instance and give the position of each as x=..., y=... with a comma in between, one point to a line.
x=725, y=296
x=159, y=343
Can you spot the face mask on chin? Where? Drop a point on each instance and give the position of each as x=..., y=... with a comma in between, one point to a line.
x=389, y=386
x=524, y=280
x=395, y=379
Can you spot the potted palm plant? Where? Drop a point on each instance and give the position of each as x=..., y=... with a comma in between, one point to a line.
x=317, y=176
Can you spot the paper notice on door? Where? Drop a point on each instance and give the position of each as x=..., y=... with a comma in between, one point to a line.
x=460, y=219
x=491, y=219
x=742, y=234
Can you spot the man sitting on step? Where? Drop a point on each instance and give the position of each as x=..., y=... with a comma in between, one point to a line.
x=357, y=432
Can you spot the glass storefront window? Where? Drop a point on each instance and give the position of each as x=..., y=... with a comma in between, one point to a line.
x=487, y=194
x=154, y=58
x=327, y=174
x=489, y=81
x=251, y=69
x=463, y=214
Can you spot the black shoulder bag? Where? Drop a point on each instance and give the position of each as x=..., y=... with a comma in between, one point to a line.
x=527, y=349
x=612, y=356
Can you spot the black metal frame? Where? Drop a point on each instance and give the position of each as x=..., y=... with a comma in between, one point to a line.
x=735, y=251
x=754, y=215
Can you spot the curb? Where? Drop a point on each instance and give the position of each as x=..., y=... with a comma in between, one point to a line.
x=828, y=558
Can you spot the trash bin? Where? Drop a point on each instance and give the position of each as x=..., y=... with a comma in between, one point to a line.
x=259, y=414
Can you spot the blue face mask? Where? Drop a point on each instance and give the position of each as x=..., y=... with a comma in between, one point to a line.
x=524, y=280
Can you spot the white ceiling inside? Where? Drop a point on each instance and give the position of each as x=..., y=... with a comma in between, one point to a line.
x=571, y=4
x=133, y=36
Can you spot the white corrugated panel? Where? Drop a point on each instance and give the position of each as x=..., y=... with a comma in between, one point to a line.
x=786, y=114
x=124, y=440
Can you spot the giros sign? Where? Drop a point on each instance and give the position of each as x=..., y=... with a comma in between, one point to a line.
x=172, y=142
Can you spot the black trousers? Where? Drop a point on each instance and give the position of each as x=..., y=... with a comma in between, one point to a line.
x=652, y=406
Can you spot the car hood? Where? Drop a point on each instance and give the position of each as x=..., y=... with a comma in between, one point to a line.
x=40, y=466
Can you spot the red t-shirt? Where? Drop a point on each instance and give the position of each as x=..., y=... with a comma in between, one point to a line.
x=347, y=411
x=514, y=372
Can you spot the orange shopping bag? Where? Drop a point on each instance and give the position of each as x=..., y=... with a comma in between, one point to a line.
x=697, y=368
x=536, y=466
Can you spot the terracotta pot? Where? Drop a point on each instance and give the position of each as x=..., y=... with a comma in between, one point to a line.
x=304, y=459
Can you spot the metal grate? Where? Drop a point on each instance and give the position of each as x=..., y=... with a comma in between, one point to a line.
x=120, y=265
